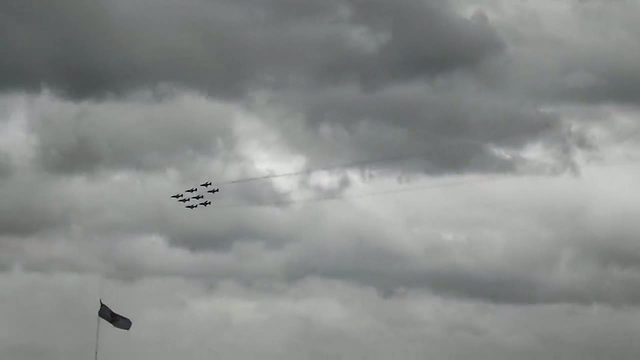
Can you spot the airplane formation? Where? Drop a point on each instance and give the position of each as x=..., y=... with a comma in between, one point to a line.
x=181, y=198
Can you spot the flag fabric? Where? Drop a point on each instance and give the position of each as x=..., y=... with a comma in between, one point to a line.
x=113, y=318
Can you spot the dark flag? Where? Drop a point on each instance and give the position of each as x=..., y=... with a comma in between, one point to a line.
x=114, y=319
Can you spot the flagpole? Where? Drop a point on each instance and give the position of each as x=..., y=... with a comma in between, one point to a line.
x=101, y=290
x=97, y=337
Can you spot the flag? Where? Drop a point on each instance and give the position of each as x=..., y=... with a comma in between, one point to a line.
x=114, y=319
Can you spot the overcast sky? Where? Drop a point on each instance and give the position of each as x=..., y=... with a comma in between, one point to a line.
x=491, y=211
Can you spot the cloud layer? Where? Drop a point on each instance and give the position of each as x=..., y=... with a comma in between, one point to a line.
x=229, y=47
x=489, y=207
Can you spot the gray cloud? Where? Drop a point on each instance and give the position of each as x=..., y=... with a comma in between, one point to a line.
x=6, y=167
x=451, y=127
x=397, y=78
x=143, y=99
x=129, y=135
x=562, y=52
x=243, y=322
x=505, y=253
x=30, y=206
x=95, y=48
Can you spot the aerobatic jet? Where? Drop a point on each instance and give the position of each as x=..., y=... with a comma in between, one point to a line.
x=176, y=196
x=185, y=200
x=192, y=206
x=207, y=184
x=206, y=203
x=197, y=197
x=191, y=190
x=213, y=191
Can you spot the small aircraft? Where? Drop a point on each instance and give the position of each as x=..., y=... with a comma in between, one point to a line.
x=197, y=197
x=207, y=184
x=206, y=203
x=191, y=190
x=184, y=200
x=213, y=191
x=192, y=206
x=176, y=196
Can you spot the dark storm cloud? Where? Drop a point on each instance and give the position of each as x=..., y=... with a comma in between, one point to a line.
x=89, y=48
x=451, y=112
x=452, y=126
x=424, y=40
x=398, y=77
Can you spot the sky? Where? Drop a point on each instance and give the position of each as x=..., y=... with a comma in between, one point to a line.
x=401, y=179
